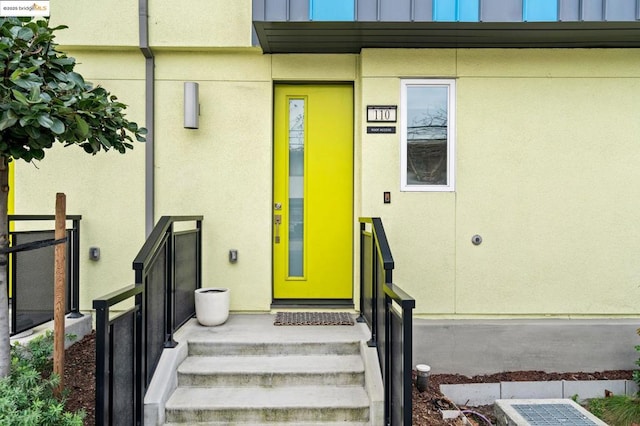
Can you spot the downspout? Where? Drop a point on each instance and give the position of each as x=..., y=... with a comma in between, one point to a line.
x=149, y=198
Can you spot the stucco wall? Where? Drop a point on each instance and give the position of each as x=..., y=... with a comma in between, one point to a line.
x=114, y=23
x=547, y=143
x=223, y=170
x=546, y=172
x=106, y=189
x=96, y=23
x=200, y=23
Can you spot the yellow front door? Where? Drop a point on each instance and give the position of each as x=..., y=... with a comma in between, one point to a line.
x=313, y=192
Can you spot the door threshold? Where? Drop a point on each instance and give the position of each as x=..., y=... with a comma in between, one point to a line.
x=312, y=304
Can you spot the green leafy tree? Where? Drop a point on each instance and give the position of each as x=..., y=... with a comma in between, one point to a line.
x=44, y=101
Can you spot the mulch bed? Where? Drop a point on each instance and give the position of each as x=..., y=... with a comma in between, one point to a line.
x=80, y=377
x=80, y=382
x=427, y=405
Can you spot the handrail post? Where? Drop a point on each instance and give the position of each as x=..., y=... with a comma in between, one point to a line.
x=140, y=357
x=388, y=383
x=407, y=361
x=11, y=281
x=374, y=291
x=75, y=271
x=169, y=290
x=199, y=254
x=361, y=317
x=102, y=364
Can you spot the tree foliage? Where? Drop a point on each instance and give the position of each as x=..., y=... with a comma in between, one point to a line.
x=43, y=100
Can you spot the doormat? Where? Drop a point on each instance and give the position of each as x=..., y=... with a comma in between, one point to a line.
x=313, y=318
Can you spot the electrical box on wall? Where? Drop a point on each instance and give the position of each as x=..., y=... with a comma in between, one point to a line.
x=94, y=253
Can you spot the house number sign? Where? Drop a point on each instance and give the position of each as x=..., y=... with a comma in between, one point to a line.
x=382, y=113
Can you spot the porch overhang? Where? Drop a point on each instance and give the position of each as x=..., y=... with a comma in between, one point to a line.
x=352, y=37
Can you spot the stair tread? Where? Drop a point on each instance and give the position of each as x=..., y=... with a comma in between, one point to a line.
x=297, y=423
x=284, y=364
x=273, y=348
x=271, y=398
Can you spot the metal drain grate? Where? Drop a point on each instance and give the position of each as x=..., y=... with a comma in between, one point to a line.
x=543, y=412
x=552, y=414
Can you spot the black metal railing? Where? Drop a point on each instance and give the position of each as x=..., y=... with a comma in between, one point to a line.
x=169, y=266
x=31, y=271
x=129, y=341
x=388, y=311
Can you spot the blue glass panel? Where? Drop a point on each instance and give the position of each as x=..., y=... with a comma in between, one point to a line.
x=444, y=10
x=540, y=10
x=456, y=10
x=331, y=10
x=468, y=11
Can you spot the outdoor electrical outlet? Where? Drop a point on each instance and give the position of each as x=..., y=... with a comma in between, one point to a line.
x=94, y=253
x=233, y=256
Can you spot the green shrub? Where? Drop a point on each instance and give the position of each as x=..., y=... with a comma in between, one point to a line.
x=596, y=407
x=27, y=394
x=623, y=410
x=617, y=410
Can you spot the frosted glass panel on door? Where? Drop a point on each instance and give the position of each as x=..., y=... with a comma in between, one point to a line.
x=296, y=187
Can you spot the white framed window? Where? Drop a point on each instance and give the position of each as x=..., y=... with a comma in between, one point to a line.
x=427, y=125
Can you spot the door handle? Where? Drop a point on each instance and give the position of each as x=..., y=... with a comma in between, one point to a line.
x=277, y=220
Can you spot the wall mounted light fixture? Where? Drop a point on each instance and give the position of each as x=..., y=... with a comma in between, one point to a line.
x=191, y=105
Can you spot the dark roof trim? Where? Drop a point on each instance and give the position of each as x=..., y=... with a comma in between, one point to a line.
x=352, y=37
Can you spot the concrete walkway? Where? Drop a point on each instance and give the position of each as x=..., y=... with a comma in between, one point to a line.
x=257, y=330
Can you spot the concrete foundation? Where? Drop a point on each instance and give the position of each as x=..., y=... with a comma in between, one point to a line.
x=473, y=347
x=77, y=328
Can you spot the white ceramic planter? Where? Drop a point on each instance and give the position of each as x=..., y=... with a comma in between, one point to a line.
x=212, y=305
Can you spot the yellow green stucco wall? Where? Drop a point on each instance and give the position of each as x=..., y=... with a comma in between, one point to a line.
x=96, y=24
x=106, y=189
x=546, y=170
x=200, y=23
x=223, y=170
x=547, y=146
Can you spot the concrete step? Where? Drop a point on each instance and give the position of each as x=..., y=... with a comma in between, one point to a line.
x=291, y=404
x=300, y=370
x=208, y=348
x=274, y=424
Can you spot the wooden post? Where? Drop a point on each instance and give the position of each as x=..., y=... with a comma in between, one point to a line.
x=59, y=290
